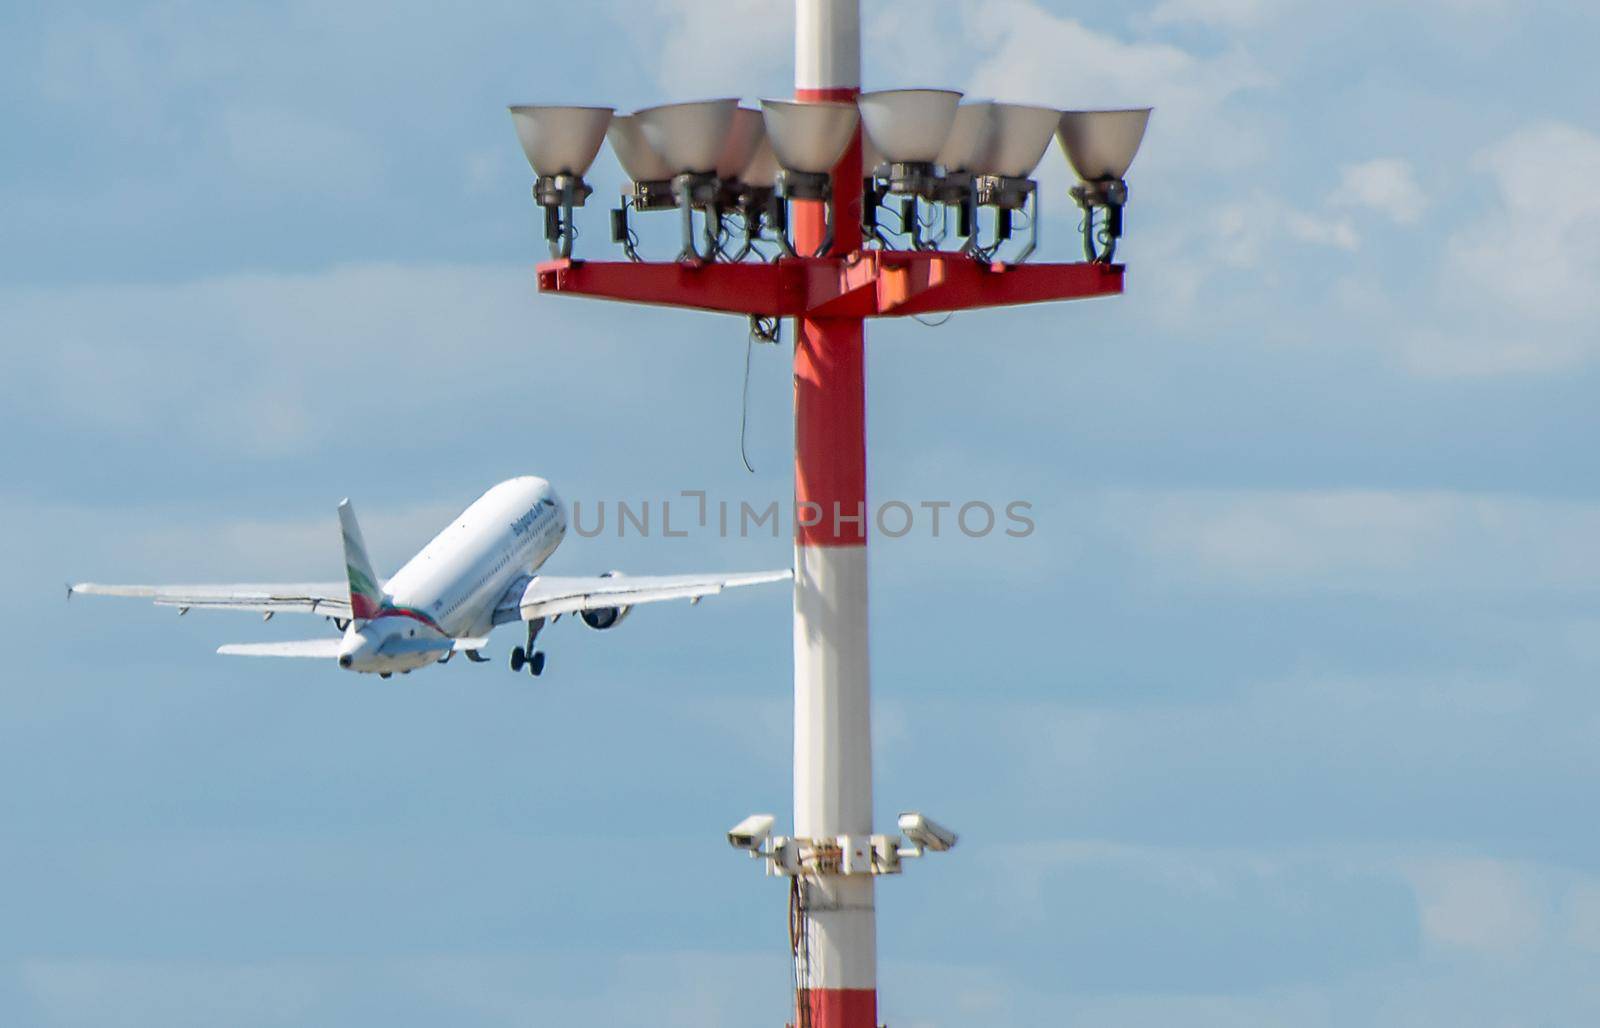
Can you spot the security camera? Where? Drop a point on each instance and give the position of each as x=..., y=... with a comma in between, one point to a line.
x=751, y=833
x=926, y=833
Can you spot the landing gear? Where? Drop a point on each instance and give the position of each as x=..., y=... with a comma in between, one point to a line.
x=521, y=659
x=385, y=675
x=528, y=656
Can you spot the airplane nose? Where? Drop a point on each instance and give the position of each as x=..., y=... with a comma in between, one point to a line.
x=346, y=660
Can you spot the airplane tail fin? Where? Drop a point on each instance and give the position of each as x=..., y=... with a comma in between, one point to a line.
x=365, y=597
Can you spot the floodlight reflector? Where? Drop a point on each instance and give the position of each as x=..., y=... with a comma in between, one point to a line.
x=809, y=137
x=560, y=140
x=746, y=133
x=1102, y=144
x=970, y=133
x=908, y=125
x=762, y=171
x=688, y=136
x=1020, y=134
x=871, y=156
x=638, y=158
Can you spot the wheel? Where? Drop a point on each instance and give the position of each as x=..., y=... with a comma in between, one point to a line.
x=385, y=675
x=518, y=658
x=536, y=663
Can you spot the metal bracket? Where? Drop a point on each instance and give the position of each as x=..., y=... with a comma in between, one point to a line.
x=844, y=855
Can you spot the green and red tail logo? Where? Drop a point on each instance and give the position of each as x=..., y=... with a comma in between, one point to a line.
x=366, y=599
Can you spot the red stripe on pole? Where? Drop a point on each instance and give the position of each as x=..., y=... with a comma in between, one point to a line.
x=830, y=425
x=811, y=96
x=830, y=422
x=839, y=1008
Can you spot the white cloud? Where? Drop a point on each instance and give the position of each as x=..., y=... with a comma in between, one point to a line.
x=732, y=48
x=1517, y=287
x=289, y=148
x=1322, y=231
x=681, y=988
x=1385, y=185
x=272, y=364
x=1583, y=914
x=171, y=543
x=1538, y=248
x=1360, y=540
x=1228, y=14
x=1485, y=906
x=1032, y=55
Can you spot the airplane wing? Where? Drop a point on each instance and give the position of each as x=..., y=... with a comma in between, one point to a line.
x=331, y=599
x=549, y=595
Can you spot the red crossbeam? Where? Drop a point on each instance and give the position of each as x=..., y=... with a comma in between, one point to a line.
x=864, y=284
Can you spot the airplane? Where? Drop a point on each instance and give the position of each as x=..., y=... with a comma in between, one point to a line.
x=480, y=572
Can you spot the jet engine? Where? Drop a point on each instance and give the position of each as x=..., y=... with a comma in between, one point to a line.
x=602, y=618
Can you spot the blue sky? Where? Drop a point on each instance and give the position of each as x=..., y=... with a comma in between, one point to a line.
x=1284, y=714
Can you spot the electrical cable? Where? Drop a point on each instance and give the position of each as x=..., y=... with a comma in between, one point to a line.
x=766, y=330
x=744, y=406
x=799, y=952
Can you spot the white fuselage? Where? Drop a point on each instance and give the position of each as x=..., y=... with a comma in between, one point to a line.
x=451, y=588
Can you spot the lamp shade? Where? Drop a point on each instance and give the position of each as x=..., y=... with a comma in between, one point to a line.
x=1020, y=136
x=560, y=140
x=968, y=142
x=638, y=159
x=908, y=125
x=762, y=171
x=745, y=135
x=1102, y=144
x=871, y=157
x=809, y=137
x=688, y=136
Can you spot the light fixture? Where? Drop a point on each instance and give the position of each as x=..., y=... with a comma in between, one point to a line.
x=909, y=128
x=1019, y=134
x=560, y=144
x=965, y=147
x=762, y=171
x=1018, y=137
x=1100, y=146
x=650, y=175
x=808, y=139
x=689, y=138
x=746, y=133
x=746, y=174
x=871, y=156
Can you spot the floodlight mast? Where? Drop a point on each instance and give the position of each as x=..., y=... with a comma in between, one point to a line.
x=836, y=936
x=833, y=857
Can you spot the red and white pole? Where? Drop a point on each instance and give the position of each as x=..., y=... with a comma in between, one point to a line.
x=837, y=953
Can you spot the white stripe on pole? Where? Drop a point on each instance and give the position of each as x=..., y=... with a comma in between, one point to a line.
x=827, y=44
x=841, y=946
x=832, y=711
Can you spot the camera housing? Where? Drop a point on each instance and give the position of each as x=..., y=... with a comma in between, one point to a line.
x=925, y=833
x=752, y=833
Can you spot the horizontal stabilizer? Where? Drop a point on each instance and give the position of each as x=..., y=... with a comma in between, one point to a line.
x=326, y=649
x=330, y=599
